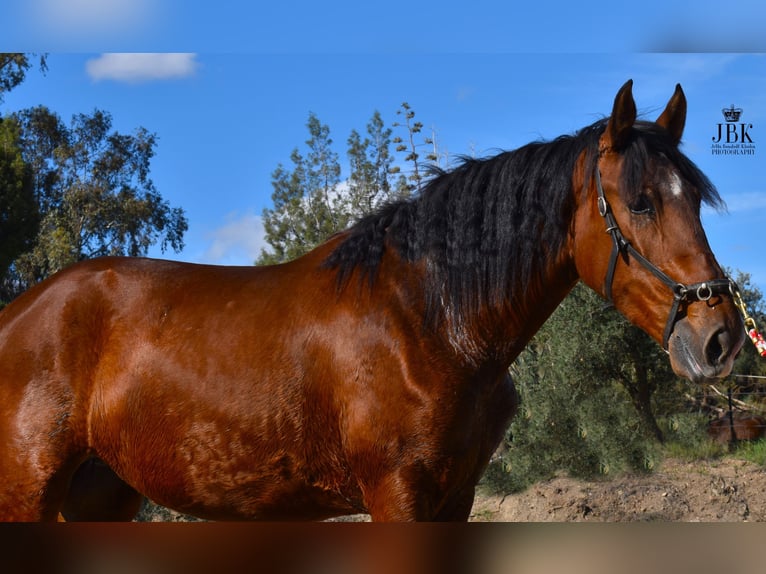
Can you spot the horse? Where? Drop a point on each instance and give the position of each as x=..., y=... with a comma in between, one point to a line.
x=725, y=430
x=371, y=374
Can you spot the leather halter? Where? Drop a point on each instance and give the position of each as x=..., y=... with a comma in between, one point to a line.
x=703, y=291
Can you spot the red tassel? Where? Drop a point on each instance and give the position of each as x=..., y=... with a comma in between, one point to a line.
x=758, y=341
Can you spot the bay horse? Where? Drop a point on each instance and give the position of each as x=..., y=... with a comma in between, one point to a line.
x=732, y=429
x=370, y=375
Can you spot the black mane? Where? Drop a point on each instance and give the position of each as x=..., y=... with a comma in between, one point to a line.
x=489, y=227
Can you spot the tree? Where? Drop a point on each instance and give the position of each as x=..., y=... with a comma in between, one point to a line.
x=305, y=210
x=416, y=178
x=310, y=202
x=19, y=215
x=13, y=70
x=93, y=193
x=586, y=383
x=322, y=179
x=369, y=183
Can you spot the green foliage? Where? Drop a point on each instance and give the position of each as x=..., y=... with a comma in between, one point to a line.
x=306, y=209
x=754, y=451
x=585, y=383
x=371, y=163
x=92, y=192
x=688, y=440
x=584, y=430
x=72, y=192
x=310, y=202
x=408, y=145
x=19, y=215
x=687, y=437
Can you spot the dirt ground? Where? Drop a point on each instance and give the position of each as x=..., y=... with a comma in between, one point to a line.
x=725, y=490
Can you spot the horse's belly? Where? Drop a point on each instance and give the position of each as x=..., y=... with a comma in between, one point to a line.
x=226, y=474
x=260, y=497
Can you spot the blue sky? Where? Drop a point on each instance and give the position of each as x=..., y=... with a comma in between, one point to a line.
x=394, y=26
x=232, y=103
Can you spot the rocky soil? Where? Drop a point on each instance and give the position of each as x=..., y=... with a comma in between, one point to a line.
x=725, y=490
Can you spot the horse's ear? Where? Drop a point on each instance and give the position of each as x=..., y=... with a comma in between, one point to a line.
x=673, y=118
x=622, y=119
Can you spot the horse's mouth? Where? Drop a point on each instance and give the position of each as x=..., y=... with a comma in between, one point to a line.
x=694, y=361
x=685, y=364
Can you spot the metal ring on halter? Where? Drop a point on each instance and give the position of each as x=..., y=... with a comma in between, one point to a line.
x=708, y=292
x=680, y=291
x=603, y=206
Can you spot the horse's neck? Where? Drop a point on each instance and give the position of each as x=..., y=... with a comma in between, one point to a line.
x=522, y=316
x=498, y=335
x=493, y=336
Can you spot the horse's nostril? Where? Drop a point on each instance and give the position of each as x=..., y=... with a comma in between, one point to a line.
x=718, y=348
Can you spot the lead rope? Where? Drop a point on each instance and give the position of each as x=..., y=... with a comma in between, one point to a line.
x=750, y=326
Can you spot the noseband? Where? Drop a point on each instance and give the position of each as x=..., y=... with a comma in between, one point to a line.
x=681, y=293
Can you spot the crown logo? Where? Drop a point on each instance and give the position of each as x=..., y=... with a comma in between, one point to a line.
x=732, y=114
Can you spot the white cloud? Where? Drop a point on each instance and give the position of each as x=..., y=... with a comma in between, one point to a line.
x=92, y=13
x=142, y=67
x=238, y=242
x=746, y=201
x=69, y=24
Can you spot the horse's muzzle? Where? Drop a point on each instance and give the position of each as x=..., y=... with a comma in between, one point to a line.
x=703, y=355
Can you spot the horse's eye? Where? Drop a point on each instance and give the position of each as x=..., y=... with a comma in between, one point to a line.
x=642, y=205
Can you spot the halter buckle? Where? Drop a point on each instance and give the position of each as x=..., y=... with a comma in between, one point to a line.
x=603, y=206
x=679, y=291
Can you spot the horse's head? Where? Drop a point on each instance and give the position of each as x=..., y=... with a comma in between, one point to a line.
x=654, y=261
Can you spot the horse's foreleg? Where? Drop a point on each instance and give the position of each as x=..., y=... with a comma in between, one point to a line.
x=392, y=499
x=458, y=508
x=402, y=497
